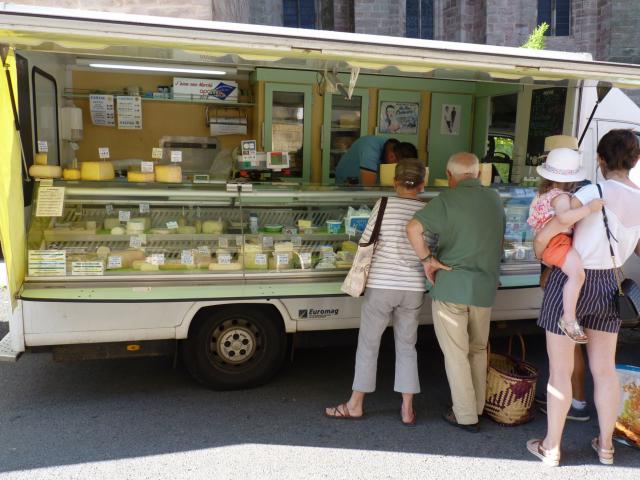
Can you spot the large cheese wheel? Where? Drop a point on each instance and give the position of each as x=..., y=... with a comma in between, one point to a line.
x=168, y=173
x=97, y=171
x=45, y=171
x=71, y=174
x=141, y=177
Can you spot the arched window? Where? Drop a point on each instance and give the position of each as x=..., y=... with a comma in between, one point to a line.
x=557, y=13
x=299, y=13
x=419, y=19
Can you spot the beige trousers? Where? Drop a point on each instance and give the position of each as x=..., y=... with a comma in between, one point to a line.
x=463, y=332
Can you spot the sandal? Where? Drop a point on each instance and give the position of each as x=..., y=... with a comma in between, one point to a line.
x=410, y=423
x=535, y=448
x=604, y=455
x=341, y=412
x=573, y=330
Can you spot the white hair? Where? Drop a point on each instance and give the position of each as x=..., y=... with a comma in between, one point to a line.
x=463, y=164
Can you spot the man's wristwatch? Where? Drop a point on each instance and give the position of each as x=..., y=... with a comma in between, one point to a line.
x=427, y=258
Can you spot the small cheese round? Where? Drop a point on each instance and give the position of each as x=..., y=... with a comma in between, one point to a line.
x=71, y=174
x=117, y=231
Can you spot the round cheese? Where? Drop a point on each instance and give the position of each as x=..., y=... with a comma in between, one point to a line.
x=168, y=173
x=45, y=171
x=117, y=231
x=71, y=174
x=40, y=159
x=212, y=226
x=97, y=171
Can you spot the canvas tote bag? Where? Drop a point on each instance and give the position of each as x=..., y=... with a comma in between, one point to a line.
x=356, y=280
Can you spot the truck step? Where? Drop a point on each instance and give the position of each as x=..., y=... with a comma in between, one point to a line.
x=6, y=353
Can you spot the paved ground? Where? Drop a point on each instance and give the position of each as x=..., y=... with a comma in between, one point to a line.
x=142, y=419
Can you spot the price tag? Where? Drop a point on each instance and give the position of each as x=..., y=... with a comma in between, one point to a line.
x=114, y=261
x=297, y=241
x=146, y=167
x=305, y=259
x=144, y=208
x=223, y=242
x=87, y=268
x=103, y=152
x=156, y=259
x=43, y=146
x=136, y=241
x=329, y=256
x=172, y=225
x=176, y=156
x=267, y=242
x=282, y=258
x=186, y=257
x=47, y=263
x=156, y=153
x=239, y=240
x=45, y=182
x=204, y=249
x=124, y=215
x=109, y=209
x=261, y=258
x=224, y=259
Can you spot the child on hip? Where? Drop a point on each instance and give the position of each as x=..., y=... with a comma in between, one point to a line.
x=553, y=202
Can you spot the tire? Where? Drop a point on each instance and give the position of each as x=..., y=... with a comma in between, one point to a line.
x=235, y=347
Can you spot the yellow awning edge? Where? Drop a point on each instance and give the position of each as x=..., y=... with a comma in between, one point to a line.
x=12, y=227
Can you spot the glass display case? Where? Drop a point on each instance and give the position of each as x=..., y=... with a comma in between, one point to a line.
x=116, y=230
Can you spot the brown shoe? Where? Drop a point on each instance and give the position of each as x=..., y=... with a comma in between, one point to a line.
x=450, y=418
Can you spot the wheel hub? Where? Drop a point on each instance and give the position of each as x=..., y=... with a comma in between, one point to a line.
x=236, y=344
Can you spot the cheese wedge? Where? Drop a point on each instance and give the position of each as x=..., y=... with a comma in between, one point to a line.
x=129, y=256
x=168, y=173
x=71, y=174
x=225, y=266
x=141, y=177
x=97, y=171
x=45, y=171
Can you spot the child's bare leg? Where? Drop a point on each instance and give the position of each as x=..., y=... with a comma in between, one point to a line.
x=544, y=236
x=572, y=268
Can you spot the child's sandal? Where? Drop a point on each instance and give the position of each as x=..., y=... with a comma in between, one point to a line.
x=573, y=330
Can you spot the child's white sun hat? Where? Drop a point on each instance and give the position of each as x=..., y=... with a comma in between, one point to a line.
x=562, y=165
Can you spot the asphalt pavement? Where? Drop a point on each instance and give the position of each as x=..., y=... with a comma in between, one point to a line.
x=143, y=419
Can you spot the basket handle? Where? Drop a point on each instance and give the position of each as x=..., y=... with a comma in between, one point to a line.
x=523, y=349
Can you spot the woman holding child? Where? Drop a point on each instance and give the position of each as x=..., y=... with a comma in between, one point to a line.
x=585, y=267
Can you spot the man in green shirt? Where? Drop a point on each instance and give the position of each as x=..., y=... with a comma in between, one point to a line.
x=469, y=221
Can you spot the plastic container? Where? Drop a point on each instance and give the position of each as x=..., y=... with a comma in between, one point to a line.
x=273, y=228
x=253, y=223
x=333, y=226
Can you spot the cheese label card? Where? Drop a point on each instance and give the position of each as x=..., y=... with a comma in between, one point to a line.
x=261, y=258
x=239, y=240
x=47, y=263
x=204, y=249
x=43, y=146
x=45, y=182
x=172, y=225
x=50, y=202
x=109, y=209
x=267, y=242
x=223, y=242
x=224, y=259
x=136, y=241
x=146, y=167
x=103, y=152
x=186, y=257
x=176, y=156
x=156, y=153
x=144, y=208
x=114, y=261
x=156, y=259
x=282, y=258
x=124, y=215
x=87, y=268
x=305, y=259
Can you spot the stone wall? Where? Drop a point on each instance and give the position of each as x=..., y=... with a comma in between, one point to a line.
x=343, y=13
x=266, y=12
x=380, y=17
x=624, y=45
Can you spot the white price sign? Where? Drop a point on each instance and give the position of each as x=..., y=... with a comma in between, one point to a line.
x=87, y=268
x=114, y=261
x=146, y=167
x=136, y=241
x=124, y=215
x=156, y=259
x=224, y=259
x=172, y=225
x=267, y=242
x=261, y=258
x=144, y=208
x=103, y=152
x=282, y=259
x=223, y=242
x=186, y=257
x=176, y=156
x=43, y=146
x=156, y=153
x=305, y=259
x=204, y=250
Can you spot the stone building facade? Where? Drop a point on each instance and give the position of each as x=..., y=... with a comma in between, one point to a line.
x=606, y=28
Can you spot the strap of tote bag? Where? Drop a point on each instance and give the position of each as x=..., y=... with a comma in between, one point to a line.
x=376, y=228
x=617, y=270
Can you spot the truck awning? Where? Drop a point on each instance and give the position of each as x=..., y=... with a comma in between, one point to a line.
x=116, y=35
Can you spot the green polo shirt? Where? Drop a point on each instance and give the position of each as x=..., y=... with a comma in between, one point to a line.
x=469, y=220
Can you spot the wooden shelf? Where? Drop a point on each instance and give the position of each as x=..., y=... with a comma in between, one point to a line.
x=168, y=100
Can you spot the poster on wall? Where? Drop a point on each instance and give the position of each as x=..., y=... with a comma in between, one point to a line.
x=450, y=119
x=102, y=110
x=399, y=117
x=129, y=112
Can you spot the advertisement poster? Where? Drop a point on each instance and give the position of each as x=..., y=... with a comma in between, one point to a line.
x=102, y=110
x=399, y=117
x=450, y=120
x=129, y=113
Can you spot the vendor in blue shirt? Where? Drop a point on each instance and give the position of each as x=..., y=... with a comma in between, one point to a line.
x=360, y=165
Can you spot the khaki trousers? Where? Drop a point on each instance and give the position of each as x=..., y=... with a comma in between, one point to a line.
x=463, y=333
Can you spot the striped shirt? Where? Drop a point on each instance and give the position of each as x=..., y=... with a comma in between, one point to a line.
x=395, y=266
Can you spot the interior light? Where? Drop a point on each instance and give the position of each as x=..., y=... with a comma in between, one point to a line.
x=146, y=68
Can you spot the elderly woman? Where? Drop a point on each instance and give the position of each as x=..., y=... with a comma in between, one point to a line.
x=394, y=294
x=618, y=153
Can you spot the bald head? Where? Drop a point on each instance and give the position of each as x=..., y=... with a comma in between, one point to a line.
x=463, y=165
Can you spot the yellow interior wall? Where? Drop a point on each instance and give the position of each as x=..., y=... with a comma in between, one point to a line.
x=12, y=228
x=158, y=118
x=373, y=110
x=425, y=118
x=317, y=117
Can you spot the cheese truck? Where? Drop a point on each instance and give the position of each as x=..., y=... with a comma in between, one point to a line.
x=168, y=185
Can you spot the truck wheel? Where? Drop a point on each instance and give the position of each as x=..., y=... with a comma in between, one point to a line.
x=237, y=347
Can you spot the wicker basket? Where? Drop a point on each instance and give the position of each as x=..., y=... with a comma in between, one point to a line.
x=511, y=387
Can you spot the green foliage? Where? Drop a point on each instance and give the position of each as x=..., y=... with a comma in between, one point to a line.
x=504, y=145
x=536, y=39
